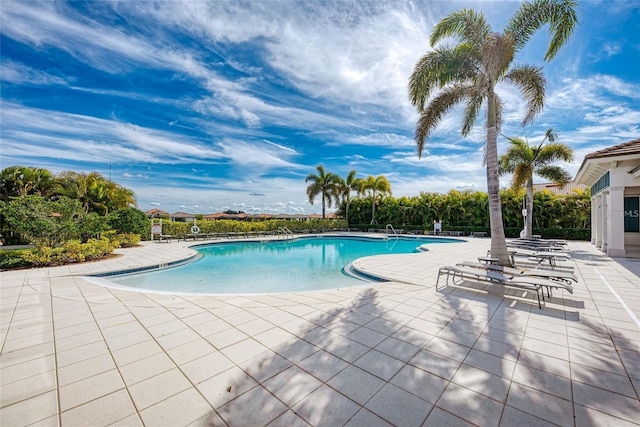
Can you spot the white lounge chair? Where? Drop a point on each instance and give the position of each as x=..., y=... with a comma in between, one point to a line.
x=514, y=271
x=495, y=277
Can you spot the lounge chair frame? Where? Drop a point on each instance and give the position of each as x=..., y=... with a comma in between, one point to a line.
x=495, y=277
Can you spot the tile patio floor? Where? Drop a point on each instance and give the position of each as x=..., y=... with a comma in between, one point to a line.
x=395, y=353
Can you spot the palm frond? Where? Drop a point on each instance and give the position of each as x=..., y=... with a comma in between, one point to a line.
x=559, y=14
x=439, y=68
x=554, y=151
x=436, y=109
x=531, y=83
x=521, y=174
x=475, y=99
x=467, y=25
x=555, y=174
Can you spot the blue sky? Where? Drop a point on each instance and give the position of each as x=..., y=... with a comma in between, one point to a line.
x=206, y=106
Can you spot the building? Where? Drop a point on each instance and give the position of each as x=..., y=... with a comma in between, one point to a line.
x=561, y=190
x=614, y=177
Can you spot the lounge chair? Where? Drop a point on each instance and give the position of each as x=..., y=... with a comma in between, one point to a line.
x=495, y=277
x=565, y=276
x=540, y=256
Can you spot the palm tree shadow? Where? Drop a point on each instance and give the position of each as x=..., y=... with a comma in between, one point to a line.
x=402, y=355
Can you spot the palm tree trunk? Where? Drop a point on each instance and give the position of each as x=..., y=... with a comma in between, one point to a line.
x=498, y=241
x=373, y=207
x=528, y=231
x=346, y=213
x=322, y=205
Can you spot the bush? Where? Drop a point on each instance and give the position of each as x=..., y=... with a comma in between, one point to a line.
x=125, y=240
x=130, y=221
x=71, y=252
x=13, y=258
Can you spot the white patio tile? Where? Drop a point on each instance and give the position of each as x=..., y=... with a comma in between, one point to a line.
x=288, y=419
x=439, y=417
x=423, y=384
x=607, y=402
x=543, y=381
x=540, y=404
x=28, y=388
x=470, y=406
x=379, y=364
x=265, y=366
x=434, y=363
x=206, y=367
x=103, y=411
x=346, y=349
x=322, y=365
x=398, y=349
x=158, y=388
x=255, y=407
x=483, y=382
x=180, y=409
x=88, y=389
x=292, y=385
x=226, y=386
x=244, y=350
x=399, y=407
x=85, y=369
x=146, y=368
x=356, y=384
x=365, y=418
x=326, y=407
x=588, y=416
x=367, y=337
x=514, y=417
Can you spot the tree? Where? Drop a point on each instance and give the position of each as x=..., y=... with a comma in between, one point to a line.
x=468, y=73
x=344, y=187
x=44, y=222
x=524, y=160
x=129, y=220
x=19, y=181
x=374, y=187
x=324, y=184
x=96, y=193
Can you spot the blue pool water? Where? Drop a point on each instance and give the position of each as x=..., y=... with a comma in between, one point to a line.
x=272, y=266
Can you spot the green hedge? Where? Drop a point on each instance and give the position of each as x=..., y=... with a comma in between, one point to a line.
x=176, y=228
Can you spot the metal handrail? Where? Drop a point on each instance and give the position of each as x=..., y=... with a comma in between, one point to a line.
x=392, y=229
x=285, y=232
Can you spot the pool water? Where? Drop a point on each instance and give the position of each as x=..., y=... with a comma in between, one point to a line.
x=272, y=266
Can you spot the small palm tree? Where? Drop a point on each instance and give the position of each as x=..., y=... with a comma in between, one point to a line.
x=468, y=73
x=524, y=160
x=374, y=186
x=344, y=188
x=323, y=184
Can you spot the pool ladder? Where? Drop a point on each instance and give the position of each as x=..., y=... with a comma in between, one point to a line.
x=389, y=226
x=285, y=232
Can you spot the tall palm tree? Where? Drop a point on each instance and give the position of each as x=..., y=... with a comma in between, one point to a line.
x=468, y=73
x=374, y=187
x=523, y=160
x=344, y=187
x=323, y=184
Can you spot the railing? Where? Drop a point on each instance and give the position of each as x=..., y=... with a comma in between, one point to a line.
x=285, y=232
x=389, y=226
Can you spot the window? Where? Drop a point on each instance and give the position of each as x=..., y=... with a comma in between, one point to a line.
x=632, y=214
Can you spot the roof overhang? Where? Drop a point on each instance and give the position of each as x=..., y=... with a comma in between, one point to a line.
x=592, y=169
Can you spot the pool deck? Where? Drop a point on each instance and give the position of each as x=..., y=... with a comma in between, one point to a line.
x=392, y=353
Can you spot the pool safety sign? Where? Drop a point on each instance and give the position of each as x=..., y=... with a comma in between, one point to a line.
x=156, y=229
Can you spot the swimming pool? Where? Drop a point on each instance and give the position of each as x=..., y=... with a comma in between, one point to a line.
x=300, y=264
